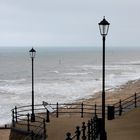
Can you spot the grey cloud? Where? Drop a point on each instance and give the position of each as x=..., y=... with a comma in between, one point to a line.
x=68, y=22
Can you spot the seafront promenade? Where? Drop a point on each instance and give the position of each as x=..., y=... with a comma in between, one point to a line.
x=125, y=127
x=126, y=122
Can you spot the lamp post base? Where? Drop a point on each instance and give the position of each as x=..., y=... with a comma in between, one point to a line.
x=32, y=117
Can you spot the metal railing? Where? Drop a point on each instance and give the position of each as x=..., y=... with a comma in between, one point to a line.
x=127, y=104
x=89, y=131
x=21, y=116
x=80, y=109
x=21, y=122
x=93, y=129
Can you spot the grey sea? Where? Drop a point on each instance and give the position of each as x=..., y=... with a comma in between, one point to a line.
x=62, y=74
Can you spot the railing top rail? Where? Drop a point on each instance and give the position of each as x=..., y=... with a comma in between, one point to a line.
x=40, y=107
x=132, y=96
x=28, y=106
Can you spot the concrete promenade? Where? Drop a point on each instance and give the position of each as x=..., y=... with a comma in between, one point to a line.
x=126, y=127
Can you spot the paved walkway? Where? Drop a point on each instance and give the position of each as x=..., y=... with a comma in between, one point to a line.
x=4, y=134
x=126, y=127
x=58, y=127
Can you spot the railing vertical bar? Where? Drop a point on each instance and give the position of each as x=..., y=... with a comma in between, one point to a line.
x=94, y=123
x=88, y=125
x=135, y=100
x=78, y=132
x=68, y=136
x=82, y=110
x=16, y=113
x=32, y=135
x=47, y=115
x=13, y=118
x=92, y=129
x=84, y=131
x=95, y=108
x=57, y=111
x=28, y=122
x=120, y=108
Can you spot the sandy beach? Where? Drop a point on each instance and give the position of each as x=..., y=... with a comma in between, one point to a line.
x=61, y=125
x=116, y=94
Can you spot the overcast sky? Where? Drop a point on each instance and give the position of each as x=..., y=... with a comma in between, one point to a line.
x=68, y=22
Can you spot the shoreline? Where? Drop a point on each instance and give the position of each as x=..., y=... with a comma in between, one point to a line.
x=113, y=95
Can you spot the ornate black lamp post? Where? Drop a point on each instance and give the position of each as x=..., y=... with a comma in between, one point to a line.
x=103, y=26
x=32, y=55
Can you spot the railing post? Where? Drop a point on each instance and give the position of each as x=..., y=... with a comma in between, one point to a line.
x=32, y=135
x=13, y=118
x=44, y=127
x=48, y=115
x=5, y=126
x=135, y=100
x=82, y=110
x=68, y=136
x=95, y=127
x=16, y=113
x=28, y=122
x=57, y=111
x=84, y=131
x=77, y=132
x=89, y=131
x=120, y=108
x=95, y=107
x=92, y=129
